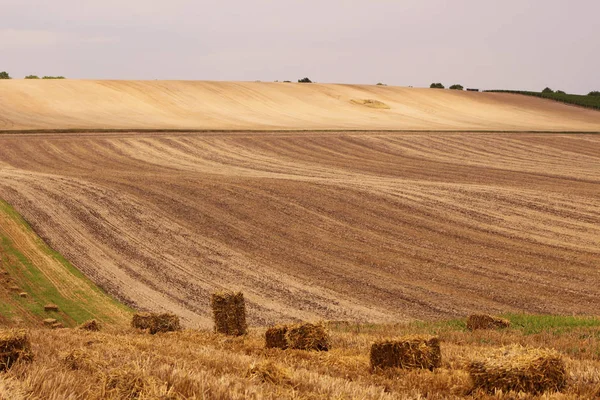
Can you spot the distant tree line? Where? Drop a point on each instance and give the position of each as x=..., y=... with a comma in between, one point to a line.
x=5, y=75
x=592, y=100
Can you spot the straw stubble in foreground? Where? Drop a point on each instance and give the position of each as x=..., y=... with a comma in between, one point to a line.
x=201, y=364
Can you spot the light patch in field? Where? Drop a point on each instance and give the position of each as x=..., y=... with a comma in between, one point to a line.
x=371, y=103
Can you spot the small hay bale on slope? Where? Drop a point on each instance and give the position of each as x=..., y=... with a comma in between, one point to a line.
x=156, y=323
x=92, y=326
x=308, y=336
x=164, y=322
x=229, y=312
x=275, y=337
x=141, y=320
x=410, y=352
x=522, y=369
x=14, y=345
x=50, y=307
x=483, y=321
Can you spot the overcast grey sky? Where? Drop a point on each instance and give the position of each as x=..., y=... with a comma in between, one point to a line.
x=515, y=44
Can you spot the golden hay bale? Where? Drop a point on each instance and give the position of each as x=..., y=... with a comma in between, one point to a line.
x=518, y=368
x=141, y=320
x=92, y=325
x=308, y=336
x=269, y=372
x=275, y=337
x=483, y=321
x=14, y=345
x=57, y=325
x=156, y=323
x=49, y=321
x=23, y=295
x=50, y=307
x=229, y=312
x=164, y=322
x=410, y=352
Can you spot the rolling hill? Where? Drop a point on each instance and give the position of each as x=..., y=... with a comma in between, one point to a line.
x=153, y=105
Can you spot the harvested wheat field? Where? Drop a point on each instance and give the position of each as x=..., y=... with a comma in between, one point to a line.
x=86, y=104
x=359, y=226
x=122, y=364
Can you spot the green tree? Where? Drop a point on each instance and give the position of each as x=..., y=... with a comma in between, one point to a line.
x=53, y=77
x=594, y=93
x=304, y=80
x=437, y=86
x=32, y=77
x=560, y=92
x=547, y=90
x=457, y=87
x=4, y=75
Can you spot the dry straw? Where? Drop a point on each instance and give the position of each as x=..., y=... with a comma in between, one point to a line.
x=229, y=312
x=156, y=323
x=521, y=369
x=410, y=352
x=275, y=337
x=14, y=346
x=127, y=382
x=483, y=321
x=269, y=372
x=308, y=337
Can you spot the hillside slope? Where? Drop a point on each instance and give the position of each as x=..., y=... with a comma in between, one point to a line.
x=346, y=226
x=32, y=275
x=73, y=104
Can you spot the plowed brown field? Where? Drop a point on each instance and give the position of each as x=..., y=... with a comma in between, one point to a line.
x=362, y=226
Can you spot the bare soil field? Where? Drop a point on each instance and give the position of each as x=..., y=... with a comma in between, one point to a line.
x=75, y=104
x=379, y=227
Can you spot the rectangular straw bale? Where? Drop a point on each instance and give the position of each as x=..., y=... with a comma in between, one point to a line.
x=275, y=337
x=229, y=312
x=410, y=352
x=164, y=322
x=483, y=321
x=156, y=323
x=141, y=320
x=522, y=369
x=308, y=336
x=14, y=345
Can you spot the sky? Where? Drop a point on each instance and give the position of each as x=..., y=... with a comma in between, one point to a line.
x=486, y=44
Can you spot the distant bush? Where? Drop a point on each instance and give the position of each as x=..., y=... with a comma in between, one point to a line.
x=32, y=77
x=53, y=77
x=547, y=90
x=4, y=75
x=437, y=86
x=381, y=84
x=457, y=87
x=559, y=92
x=304, y=80
x=594, y=93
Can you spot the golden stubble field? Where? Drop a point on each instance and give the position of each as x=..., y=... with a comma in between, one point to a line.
x=378, y=227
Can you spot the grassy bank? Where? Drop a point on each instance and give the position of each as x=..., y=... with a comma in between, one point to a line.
x=33, y=275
